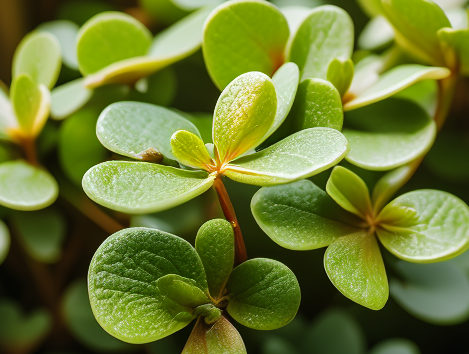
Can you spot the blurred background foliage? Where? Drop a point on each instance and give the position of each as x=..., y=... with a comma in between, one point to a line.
x=45, y=272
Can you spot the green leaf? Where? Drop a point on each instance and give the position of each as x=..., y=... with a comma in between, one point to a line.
x=219, y=338
x=31, y=103
x=388, y=134
x=110, y=37
x=376, y=35
x=121, y=283
x=301, y=155
x=236, y=42
x=395, y=80
x=38, y=55
x=182, y=291
x=395, y=346
x=4, y=241
x=263, y=294
x=138, y=187
x=371, y=7
x=456, y=49
x=340, y=74
x=79, y=318
x=25, y=187
x=19, y=331
x=66, y=33
x=317, y=104
x=215, y=246
x=190, y=150
x=333, y=332
x=425, y=226
x=349, y=191
x=244, y=113
x=195, y=4
x=69, y=98
x=41, y=233
x=7, y=116
x=326, y=34
x=140, y=130
x=418, y=34
x=354, y=265
x=300, y=216
x=163, y=11
x=388, y=185
x=436, y=293
x=296, y=13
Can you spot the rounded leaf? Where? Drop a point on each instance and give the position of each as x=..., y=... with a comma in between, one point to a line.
x=190, y=150
x=69, y=98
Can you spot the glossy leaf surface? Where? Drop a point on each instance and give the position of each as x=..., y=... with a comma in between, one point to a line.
x=190, y=150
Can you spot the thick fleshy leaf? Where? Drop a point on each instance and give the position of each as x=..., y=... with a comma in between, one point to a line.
x=388, y=185
x=263, y=294
x=215, y=246
x=244, y=113
x=340, y=74
x=110, y=37
x=425, y=226
x=418, y=34
x=395, y=80
x=7, y=116
x=317, y=104
x=139, y=187
x=436, y=293
x=68, y=98
x=301, y=155
x=395, y=346
x=66, y=33
x=121, y=283
x=38, y=55
x=456, y=47
x=236, y=42
x=300, y=216
x=41, y=233
x=326, y=34
x=4, y=241
x=388, y=134
x=295, y=14
x=366, y=74
x=371, y=7
x=218, y=338
x=190, y=150
x=354, y=265
x=333, y=332
x=140, y=130
x=80, y=321
x=26, y=187
x=349, y=191
x=183, y=291
x=31, y=103
x=376, y=35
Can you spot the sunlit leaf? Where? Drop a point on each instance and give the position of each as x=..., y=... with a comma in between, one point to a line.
x=190, y=150
x=68, y=98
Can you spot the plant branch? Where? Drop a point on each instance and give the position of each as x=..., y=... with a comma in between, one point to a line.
x=29, y=148
x=228, y=210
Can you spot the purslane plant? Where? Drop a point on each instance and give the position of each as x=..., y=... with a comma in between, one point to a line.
x=145, y=284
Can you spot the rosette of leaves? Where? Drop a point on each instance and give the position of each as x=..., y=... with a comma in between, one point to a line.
x=24, y=184
x=250, y=109
x=146, y=284
x=422, y=226
x=115, y=48
x=320, y=42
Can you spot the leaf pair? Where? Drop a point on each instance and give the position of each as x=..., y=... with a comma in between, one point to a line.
x=422, y=226
x=246, y=113
x=145, y=284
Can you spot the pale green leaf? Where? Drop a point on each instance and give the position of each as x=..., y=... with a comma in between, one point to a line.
x=395, y=346
x=388, y=134
x=425, y=226
x=376, y=35
x=69, y=98
x=190, y=150
x=182, y=291
x=371, y=7
x=244, y=113
x=236, y=41
x=38, y=55
x=121, y=283
x=139, y=187
x=7, y=116
x=340, y=74
x=26, y=187
x=388, y=185
x=4, y=241
x=263, y=294
x=189, y=5
x=301, y=155
x=295, y=15
x=326, y=34
x=366, y=75
x=300, y=216
x=456, y=48
x=354, y=265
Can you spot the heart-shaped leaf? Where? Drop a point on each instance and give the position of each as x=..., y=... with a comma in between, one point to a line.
x=263, y=294
x=244, y=113
x=140, y=130
x=215, y=246
x=236, y=42
x=138, y=187
x=456, y=49
x=301, y=155
x=38, y=55
x=354, y=265
x=182, y=291
x=121, y=283
x=340, y=74
x=190, y=150
x=388, y=134
x=4, y=241
x=395, y=346
x=425, y=226
x=69, y=98
x=26, y=187
x=326, y=34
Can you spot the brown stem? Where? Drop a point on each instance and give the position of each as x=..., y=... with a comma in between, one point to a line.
x=228, y=210
x=29, y=148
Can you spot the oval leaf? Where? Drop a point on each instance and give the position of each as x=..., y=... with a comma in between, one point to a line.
x=190, y=150
x=69, y=98
x=182, y=291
